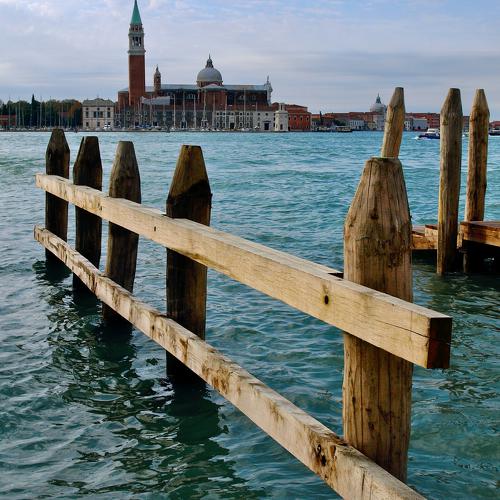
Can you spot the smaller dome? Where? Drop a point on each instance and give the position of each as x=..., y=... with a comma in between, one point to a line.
x=377, y=106
x=209, y=74
x=157, y=72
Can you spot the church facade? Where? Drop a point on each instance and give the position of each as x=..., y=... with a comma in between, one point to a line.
x=207, y=104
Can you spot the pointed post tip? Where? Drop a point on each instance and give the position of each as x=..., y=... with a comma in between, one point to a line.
x=190, y=171
x=453, y=102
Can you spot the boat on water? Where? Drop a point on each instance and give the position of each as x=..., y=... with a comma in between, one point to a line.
x=431, y=133
x=494, y=131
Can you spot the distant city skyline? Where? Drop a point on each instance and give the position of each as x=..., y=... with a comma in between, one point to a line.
x=331, y=55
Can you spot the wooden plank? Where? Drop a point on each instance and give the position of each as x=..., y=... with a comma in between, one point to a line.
x=422, y=241
x=341, y=466
x=376, y=406
x=449, y=181
x=406, y=330
x=486, y=232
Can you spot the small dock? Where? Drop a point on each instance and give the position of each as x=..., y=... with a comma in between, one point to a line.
x=472, y=244
x=425, y=237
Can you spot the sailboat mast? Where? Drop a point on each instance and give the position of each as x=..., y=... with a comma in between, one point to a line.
x=194, y=110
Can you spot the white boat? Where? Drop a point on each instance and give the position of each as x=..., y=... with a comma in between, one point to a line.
x=431, y=133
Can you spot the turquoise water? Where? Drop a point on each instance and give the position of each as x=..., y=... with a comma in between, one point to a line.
x=87, y=412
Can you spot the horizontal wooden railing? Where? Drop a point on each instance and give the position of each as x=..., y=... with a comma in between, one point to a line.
x=383, y=334
x=345, y=469
x=412, y=332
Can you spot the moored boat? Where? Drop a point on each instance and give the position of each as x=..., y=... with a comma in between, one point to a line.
x=431, y=133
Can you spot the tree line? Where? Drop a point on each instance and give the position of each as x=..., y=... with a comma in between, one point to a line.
x=37, y=114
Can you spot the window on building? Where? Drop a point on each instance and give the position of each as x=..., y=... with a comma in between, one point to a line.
x=109, y=114
x=86, y=114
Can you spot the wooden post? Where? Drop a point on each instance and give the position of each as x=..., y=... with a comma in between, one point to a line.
x=125, y=182
x=88, y=172
x=56, y=210
x=377, y=254
x=394, y=124
x=449, y=181
x=189, y=198
x=476, y=178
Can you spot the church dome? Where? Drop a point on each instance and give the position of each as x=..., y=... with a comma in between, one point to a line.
x=377, y=106
x=209, y=74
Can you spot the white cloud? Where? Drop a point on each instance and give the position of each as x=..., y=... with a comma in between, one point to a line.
x=330, y=55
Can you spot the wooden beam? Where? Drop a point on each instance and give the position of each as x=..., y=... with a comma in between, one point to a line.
x=406, y=330
x=451, y=123
x=87, y=171
x=56, y=163
x=394, y=124
x=376, y=406
x=478, y=158
x=341, y=466
x=486, y=232
x=121, y=258
x=421, y=240
x=473, y=256
x=190, y=198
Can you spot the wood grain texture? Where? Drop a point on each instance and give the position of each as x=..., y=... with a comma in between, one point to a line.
x=56, y=163
x=407, y=330
x=485, y=232
x=341, y=466
x=449, y=181
x=121, y=259
x=87, y=171
x=476, y=175
x=189, y=198
x=377, y=253
x=478, y=158
x=394, y=124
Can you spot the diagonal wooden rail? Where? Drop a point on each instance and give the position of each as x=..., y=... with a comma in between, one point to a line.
x=341, y=466
x=412, y=332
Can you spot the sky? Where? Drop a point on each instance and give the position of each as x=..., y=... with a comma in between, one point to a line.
x=330, y=55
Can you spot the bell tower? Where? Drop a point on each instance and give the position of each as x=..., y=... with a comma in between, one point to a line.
x=136, y=59
x=157, y=81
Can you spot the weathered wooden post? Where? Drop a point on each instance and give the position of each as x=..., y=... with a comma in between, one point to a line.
x=394, y=124
x=449, y=181
x=56, y=210
x=125, y=182
x=377, y=254
x=476, y=177
x=189, y=198
x=87, y=171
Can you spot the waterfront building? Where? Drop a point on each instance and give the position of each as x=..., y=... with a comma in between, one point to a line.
x=207, y=104
x=281, y=118
x=299, y=118
x=415, y=123
x=98, y=114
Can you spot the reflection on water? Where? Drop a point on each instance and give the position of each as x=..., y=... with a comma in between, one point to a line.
x=134, y=432
x=87, y=411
